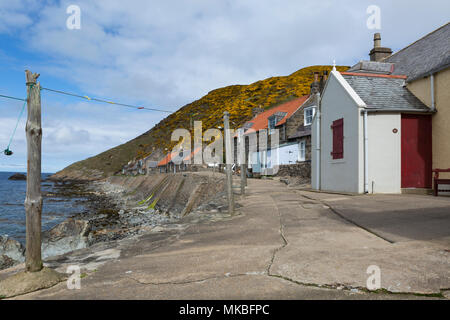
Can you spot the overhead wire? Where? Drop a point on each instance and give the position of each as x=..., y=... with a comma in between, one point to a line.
x=103, y=100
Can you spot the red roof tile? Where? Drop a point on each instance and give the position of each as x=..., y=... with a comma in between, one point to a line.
x=172, y=155
x=167, y=159
x=261, y=121
x=191, y=155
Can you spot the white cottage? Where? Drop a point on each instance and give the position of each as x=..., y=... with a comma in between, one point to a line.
x=370, y=134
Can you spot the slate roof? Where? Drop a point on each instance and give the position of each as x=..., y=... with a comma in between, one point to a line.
x=384, y=92
x=373, y=67
x=302, y=131
x=425, y=56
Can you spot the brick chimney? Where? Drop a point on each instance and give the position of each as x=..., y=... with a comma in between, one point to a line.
x=323, y=80
x=256, y=111
x=378, y=52
x=315, y=86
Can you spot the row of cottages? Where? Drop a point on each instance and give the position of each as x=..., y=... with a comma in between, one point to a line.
x=174, y=161
x=293, y=121
x=140, y=166
x=382, y=126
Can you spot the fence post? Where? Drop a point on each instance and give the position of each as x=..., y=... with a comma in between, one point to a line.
x=242, y=159
x=33, y=200
x=243, y=174
x=228, y=161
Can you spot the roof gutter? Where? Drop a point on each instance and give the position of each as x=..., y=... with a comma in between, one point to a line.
x=428, y=73
x=399, y=110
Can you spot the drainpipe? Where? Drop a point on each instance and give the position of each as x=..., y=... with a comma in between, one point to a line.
x=318, y=143
x=366, y=154
x=433, y=103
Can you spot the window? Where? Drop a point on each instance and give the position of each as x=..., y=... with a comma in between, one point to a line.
x=272, y=122
x=338, y=139
x=309, y=114
x=302, y=151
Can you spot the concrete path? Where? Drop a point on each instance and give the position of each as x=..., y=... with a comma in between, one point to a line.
x=285, y=244
x=395, y=217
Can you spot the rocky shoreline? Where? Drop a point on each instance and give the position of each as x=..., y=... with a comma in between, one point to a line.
x=121, y=207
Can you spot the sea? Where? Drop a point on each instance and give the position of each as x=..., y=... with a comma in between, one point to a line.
x=56, y=208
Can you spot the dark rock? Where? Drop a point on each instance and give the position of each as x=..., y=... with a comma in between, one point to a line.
x=18, y=176
x=72, y=234
x=6, y=262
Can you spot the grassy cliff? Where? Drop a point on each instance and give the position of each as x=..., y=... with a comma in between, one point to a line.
x=238, y=100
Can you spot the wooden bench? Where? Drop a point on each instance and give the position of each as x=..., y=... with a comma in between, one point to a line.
x=438, y=181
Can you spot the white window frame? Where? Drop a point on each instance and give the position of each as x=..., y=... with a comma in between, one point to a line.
x=302, y=151
x=306, y=116
x=274, y=122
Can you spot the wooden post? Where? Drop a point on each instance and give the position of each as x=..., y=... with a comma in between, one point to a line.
x=242, y=178
x=33, y=200
x=228, y=160
x=242, y=160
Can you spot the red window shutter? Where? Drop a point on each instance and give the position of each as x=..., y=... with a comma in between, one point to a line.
x=338, y=139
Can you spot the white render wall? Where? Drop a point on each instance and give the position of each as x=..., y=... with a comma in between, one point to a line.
x=315, y=168
x=288, y=154
x=347, y=174
x=284, y=154
x=384, y=153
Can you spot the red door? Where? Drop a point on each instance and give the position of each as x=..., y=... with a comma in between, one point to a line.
x=416, y=151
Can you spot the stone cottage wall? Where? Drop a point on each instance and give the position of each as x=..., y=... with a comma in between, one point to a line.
x=301, y=170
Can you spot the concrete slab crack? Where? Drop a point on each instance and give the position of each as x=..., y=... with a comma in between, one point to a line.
x=281, y=231
x=347, y=219
x=187, y=281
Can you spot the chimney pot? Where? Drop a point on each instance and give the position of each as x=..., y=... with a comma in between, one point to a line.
x=316, y=76
x=377, y=40
x=378, y=52
x=256, y=111
x=315, y=86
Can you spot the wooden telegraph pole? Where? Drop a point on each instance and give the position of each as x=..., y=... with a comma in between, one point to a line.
x=242, y=160
x=33, y=201
x=229, y=161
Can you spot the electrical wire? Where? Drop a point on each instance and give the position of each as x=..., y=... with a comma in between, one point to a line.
x=104, y=101
x=14, y=98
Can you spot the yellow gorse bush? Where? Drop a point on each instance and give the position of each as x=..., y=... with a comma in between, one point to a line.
x=238, y=100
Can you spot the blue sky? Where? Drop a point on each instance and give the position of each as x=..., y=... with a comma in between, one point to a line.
x=166, y=54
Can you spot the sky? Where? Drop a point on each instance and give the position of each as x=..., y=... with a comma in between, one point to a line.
x=165, y=54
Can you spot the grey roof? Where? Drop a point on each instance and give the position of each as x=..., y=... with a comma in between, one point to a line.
x=425, y=56
x=386, y=93
x=248, y=125
x=372, y=67
x=311, y=101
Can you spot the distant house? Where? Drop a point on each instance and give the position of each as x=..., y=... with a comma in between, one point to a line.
x=174, y=161
x=371, y=133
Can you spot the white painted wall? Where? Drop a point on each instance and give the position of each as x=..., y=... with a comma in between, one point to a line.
x=287, y=154
x=314, y=157
x=339, y=101
x=347, y=174
x=384, y=153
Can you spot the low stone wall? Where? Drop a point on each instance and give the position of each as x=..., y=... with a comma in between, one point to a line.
x=301, y=170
